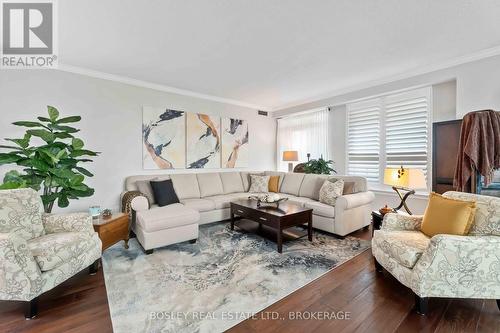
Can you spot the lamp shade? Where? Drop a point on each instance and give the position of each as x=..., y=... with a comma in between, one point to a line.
x=405, y=178
x=290, y=155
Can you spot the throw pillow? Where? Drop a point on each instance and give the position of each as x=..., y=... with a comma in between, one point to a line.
x=329, y=192
x=145, y=188
x=348, y=186
x=259, y=183
x=274, y=184
x=447, y=216
x=164, y=192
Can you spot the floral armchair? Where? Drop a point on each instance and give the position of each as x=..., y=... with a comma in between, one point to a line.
x=444, y=265
x=39, y=251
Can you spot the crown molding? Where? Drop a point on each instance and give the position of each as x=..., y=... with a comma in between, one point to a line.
x=485, y=53
x=154, y=86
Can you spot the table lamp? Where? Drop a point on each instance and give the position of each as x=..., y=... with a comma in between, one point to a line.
x=290, y=156
x=404, y=179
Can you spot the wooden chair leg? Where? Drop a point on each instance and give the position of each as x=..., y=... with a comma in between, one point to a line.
x=421, y=305
x=498, y=304
x=31, y=310
x=378, y=266
x=94, y=267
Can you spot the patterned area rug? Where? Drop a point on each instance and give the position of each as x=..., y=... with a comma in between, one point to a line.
x=212, y=285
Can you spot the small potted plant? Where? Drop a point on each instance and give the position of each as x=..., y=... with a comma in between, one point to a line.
x=319, y=166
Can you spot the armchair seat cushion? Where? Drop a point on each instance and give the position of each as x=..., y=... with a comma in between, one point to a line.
x=52, y=250
x=406, y=247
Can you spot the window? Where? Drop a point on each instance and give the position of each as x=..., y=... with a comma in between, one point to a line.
x=306, y=133
x=388, y=131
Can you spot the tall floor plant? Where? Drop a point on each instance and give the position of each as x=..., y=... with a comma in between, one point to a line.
x=54, y=166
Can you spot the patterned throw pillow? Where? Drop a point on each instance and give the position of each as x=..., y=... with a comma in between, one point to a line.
x=259, y=183
x=329, y=192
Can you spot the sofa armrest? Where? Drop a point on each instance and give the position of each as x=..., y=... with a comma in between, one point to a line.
x=79, y=222
x=460, y=266
x=139, y=203
x=395, y=221
x=354, y=200
x=18, y=268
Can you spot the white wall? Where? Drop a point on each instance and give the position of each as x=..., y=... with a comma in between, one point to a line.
x=111, y=123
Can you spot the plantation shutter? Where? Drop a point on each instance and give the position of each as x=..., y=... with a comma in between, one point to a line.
x=406, y=129
x=363, y=140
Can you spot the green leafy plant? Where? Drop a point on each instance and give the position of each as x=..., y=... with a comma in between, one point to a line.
x=319, y=166
x=54, y=166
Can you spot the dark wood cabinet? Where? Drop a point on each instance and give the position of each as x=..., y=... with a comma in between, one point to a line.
x=446, y=137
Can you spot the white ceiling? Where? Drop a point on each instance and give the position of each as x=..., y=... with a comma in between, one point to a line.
x=270, y=53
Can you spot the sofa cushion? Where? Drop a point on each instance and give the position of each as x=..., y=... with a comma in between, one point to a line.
x=259, y=184
x=406, y=247
x=245, y=178
x=311, y=185
x=320, y=209
x=223, y=201
x=300, y=201
x=291, y=183
x=53, y=250
x=201, y=205
x=164, y=193
x=186, y=185
x=210, y=184
x=231, y=182
x=171, y=216
x=144, y=186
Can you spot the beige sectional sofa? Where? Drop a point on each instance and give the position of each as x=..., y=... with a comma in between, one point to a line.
x=206, y=197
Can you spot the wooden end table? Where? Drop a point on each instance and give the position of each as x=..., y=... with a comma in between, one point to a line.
x=113, y=229
x=285, y=216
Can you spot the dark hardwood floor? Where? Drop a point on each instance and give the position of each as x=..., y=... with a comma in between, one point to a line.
x=375, y=302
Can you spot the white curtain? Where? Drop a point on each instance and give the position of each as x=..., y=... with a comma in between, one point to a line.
x=306, y=133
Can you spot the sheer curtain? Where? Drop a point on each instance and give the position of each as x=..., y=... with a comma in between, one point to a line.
x=306, y=133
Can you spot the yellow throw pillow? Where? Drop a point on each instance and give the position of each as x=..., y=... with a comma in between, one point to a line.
x=447, y=216
x=274, y=184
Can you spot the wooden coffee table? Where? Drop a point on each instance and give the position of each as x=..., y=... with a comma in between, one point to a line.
x=285, y=216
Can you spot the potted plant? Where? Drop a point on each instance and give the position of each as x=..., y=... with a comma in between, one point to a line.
x=54, y=166
x=319, y=166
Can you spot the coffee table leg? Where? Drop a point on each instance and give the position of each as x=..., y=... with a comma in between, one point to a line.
x=310, y=229
x=280, y=241
x=232, y=219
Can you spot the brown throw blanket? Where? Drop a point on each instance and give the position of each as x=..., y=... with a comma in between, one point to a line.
x=479, y=148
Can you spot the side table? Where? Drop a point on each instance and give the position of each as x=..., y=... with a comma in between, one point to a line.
x=113, y=229
x=377, y=218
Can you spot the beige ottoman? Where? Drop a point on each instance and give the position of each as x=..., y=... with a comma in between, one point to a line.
x=166, y=225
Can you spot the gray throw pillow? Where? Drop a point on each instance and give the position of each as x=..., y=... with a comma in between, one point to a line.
x=145, y=188
x=259, y=183
x=329, y=192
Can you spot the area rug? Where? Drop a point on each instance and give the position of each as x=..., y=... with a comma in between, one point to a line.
x=214, y=284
